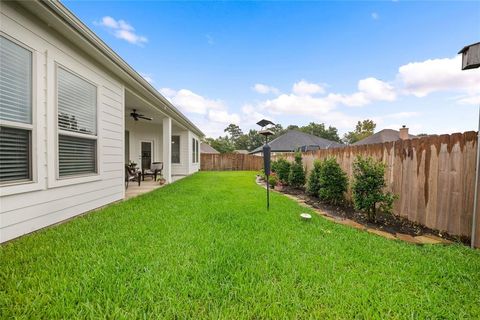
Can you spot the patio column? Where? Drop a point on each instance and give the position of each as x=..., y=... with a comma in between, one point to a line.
x=167, y=149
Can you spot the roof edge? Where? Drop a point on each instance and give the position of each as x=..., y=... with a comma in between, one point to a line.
x=77, y=25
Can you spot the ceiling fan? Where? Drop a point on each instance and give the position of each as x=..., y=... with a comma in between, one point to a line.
x=137, y=116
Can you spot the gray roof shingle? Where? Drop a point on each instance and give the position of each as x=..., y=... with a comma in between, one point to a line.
x=293, y=139
x=206, y=148
x=385, y=135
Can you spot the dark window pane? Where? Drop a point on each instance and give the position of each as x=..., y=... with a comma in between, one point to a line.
x=15, y=161
x=76, y=156
x=175, y=149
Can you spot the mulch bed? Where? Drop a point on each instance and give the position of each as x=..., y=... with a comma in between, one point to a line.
x=385, y=222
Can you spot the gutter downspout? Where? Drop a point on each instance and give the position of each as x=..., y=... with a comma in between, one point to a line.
x=475, y=196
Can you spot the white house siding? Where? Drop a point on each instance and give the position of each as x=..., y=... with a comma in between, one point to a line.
x=28, y=207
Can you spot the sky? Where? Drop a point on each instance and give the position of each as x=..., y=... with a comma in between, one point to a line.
x=394, y=62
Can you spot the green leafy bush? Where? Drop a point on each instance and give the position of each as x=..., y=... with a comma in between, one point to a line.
x=282, y=168
x=332, y=181
x=313, y=182
x=368, y=187
x=296, y=176
x=273, y=180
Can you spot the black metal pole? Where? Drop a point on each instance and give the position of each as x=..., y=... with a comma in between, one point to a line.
x=268, y=183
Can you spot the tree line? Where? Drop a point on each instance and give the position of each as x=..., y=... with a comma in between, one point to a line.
x=236, y=139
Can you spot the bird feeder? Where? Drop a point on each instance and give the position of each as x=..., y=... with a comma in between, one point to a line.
x=470, y=56
x=266, y=153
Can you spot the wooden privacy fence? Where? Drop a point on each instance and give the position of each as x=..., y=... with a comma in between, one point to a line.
x=230, y=161
x=433, y=176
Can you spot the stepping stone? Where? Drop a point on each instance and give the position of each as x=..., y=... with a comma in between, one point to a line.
x=382, y=233
x=427, y=240
x=437, y=238
x=407, y=238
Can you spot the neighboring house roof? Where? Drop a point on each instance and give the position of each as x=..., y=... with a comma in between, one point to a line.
x=240, y=151
x=293, y=139
x=385, y=135
x=59, y=18
x=206, y=148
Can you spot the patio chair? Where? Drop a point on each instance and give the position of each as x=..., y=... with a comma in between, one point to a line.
x=131, y=175
x=155, y=169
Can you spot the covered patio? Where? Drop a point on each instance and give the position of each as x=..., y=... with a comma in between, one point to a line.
x=152, y=137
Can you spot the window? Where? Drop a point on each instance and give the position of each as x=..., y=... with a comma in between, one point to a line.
x=15, y=112
x=194, y=155
x=175, y=149
x=197, y=152
x=77, y=125
x=194, y=150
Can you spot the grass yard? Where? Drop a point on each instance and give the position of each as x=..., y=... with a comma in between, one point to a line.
x=205, y=247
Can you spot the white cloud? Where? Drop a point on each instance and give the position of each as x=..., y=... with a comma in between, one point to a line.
x=475, y=100
x=375, y=16
x=423, y=78
x=305, y=88
x=191, y=102
x=222, y=116
x=122, y=30
x=294, y=104
x=265, y=89
x=369, y=90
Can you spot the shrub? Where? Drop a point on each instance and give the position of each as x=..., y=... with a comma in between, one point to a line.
x=368, y=188
x=313, y=183
x=273, y=180
x=296, y=176
x=332, y=181
x=282, y=168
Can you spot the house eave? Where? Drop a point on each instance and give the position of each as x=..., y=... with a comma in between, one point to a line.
x=76, y=29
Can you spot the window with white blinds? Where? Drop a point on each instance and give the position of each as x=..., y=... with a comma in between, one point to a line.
x=14, y=154
x=77, y=104
x=15, y=112
x=15, y=82
x=78, y=156
x=77, y=124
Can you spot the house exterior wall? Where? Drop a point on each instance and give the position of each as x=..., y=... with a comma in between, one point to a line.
x=46, y=200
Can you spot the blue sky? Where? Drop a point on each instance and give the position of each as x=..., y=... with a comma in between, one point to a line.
x=294, y=62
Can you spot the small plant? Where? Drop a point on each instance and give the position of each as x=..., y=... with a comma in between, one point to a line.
x=368, y=188
x=273, y=180
x=332, y=181
x=313, y=183
x=282, y=168
x=132, y=164
x=296, y=176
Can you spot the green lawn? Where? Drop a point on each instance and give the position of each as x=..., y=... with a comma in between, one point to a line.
x=205, y=247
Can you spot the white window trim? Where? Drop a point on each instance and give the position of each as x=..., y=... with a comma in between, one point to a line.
x=54, y=179
x=35, y=183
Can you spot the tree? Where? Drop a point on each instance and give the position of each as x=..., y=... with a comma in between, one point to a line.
x=221, y=144
x=333, y=182
x=234, y=131
x=318, y=129
x=362, y=130
x=255, y=140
